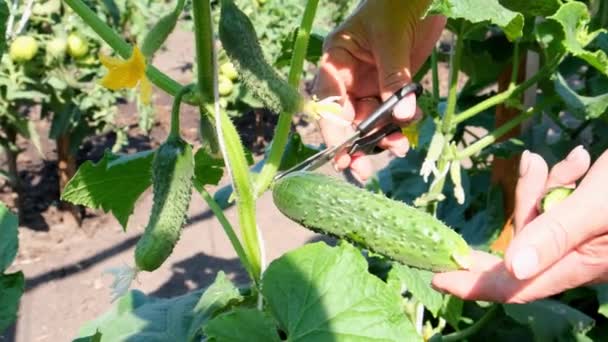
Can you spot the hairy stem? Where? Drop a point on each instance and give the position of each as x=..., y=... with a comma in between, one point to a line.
x=283, y=128
x=516, y=61
x=106, y=33
x=473, y=329
x=495, y=135
x=229, y=140
x=447, y=126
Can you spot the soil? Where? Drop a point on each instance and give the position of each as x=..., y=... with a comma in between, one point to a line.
x=64, y=264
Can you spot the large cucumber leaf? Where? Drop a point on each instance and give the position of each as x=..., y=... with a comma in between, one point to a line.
x=112, y=184
x=533, y=8
x=550, y=320
x=319, y=293
x=480, y=11
x=584, y=107
x=242, y=325
x=567, y=32
x=418, y=283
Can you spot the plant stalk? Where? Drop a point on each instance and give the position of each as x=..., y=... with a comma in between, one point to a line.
x=505, y=95
x=175, y=111
x=281, y=134
x=106, y=33
x=435, y=74
x=473, y=329
x=203, y=35
x=495, y=135
x=516, y=62
x=447, y=125
x=234, y=240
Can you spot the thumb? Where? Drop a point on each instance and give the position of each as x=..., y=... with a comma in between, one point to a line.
x=550, y=236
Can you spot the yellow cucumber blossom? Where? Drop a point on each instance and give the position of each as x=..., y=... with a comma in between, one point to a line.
x=411, y=132
x=127, y=74
x=328, y=109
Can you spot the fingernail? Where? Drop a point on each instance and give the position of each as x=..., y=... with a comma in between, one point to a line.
x=575, y=154
x=406, y=108
x=525, y=263
x=524, y=163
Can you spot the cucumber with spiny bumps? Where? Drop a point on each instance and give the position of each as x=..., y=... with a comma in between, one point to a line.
x=172, y=172
x=402, y=233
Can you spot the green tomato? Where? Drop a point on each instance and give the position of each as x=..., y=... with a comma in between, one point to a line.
x=225, y=86
x=56, y=47
x=77, y=46
x=23, y=49
x=227, y=69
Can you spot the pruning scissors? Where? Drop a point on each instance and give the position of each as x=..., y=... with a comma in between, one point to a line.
x=360, y=140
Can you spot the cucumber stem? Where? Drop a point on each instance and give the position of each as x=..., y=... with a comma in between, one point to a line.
x=281, y=135
x=435, y=73
x=175, y=110
x=473, y=329
x=119, y=45
x=203, y=37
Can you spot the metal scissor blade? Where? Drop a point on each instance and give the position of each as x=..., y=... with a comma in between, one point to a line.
x=319, y=159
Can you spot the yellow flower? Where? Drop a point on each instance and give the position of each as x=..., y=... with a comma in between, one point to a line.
x=411, y=132
x=328, y=109
x=128, y=73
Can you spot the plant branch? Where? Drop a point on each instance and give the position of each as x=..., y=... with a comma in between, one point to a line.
x=495, y=135
x=507, y=94
x=106, y=33
x=175, y=110
x=203, y=37
x=283, y=128
x=515, y=69
x=435, y=73
x=473, y=329
x=219, y=214
x=450, y=111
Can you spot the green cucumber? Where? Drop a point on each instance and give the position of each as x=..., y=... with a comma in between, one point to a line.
x=172, y=173
x=402, y=233
x=553, y=197
x=241, y=44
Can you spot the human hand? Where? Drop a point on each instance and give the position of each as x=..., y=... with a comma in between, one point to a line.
x=564, y=248
x=366, y=60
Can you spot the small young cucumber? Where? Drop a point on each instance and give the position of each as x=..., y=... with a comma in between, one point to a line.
x=172, y=172
x=402, y=233
x=553, y=197
x=242, y=46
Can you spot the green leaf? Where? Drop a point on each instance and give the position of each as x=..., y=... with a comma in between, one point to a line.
x=139, y=318
x=418, y=283
x=221, y=294
x=4, y=13
x=241, y=44
x=296, y=152
x=550, y=320
x=451, y=310
x=602, y=298
x=313, y=53
x=583, y=107
x=112, y=184
x=9, y=241
x=11, y=290
x=242, y=325
x=208, y=170
x=535, y=8
x=93, y=338
x=161, y=30
x=320, y=293
x=480, y=11
x=567, y=32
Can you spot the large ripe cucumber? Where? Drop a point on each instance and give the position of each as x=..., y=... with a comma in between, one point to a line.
x=172, y=172
x=402, y=233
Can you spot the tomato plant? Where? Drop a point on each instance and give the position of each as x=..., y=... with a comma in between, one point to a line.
x=323, y=293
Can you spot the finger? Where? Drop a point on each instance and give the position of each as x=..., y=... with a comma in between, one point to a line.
x=530, y=188
x=397, y=143
x=553, y=234
x=571, y=169
x=361, y=167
